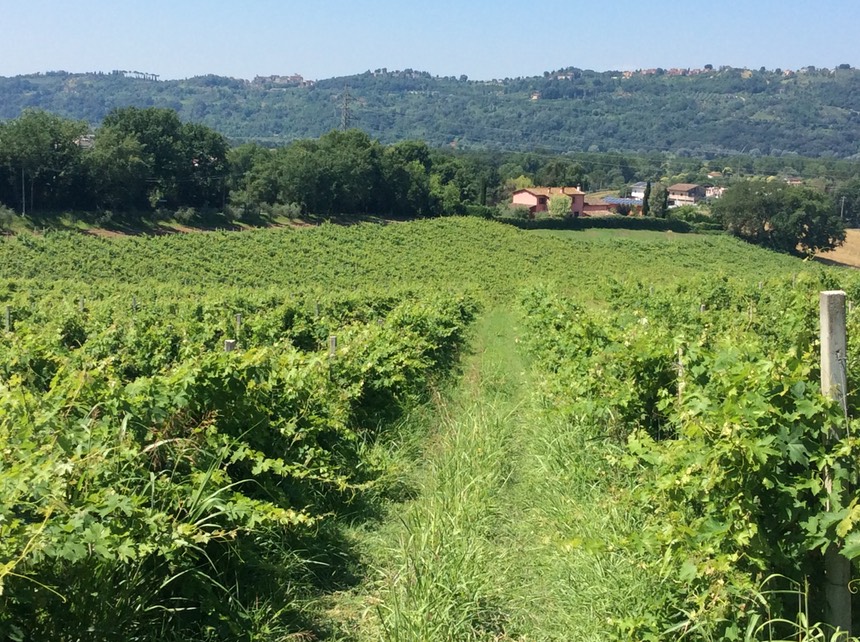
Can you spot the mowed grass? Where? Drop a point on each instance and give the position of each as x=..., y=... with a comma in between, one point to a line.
x=847, y=254
x=515, y=529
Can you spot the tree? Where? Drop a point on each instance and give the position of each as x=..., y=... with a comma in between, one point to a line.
x=559, y=205
x=785, y=218
x=848, y=201
x=658, y=202
x=646, y=200
x=183, y=164
x=40, y=162
x=118, y=167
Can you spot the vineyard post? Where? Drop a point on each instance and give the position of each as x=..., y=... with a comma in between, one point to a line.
x=837, y=568
x=229, y=345
x=238, y=323
x=134, y=304
x=81, y=304
x=8, y=318
x=332, y=346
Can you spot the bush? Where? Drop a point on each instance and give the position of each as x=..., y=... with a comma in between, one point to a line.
x=517, y=212
x=602, y=222
x=7, y=217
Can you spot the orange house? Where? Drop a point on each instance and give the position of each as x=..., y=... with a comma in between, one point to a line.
x=537, y=198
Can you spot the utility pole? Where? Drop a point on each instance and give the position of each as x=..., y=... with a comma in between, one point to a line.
x=842, y=211
x=345, y=112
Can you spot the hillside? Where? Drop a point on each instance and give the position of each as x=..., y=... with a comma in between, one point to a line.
x=811, y=112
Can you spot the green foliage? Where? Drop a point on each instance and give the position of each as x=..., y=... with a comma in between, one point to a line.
x=781, y=217
x=41, y=162
x=646, y=200
x=713, y=388
x=658, y=203
x=718, y=111
x=559, y=206
x=145, y=467
x=847, y=199
x=202, y=490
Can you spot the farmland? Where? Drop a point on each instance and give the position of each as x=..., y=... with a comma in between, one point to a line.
x=440, y=429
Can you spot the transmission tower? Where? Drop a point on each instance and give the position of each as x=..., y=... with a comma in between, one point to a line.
x=345, y=111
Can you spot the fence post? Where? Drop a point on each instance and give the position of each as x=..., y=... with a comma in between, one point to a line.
x=837, y=568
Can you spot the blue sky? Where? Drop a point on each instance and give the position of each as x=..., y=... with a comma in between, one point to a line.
x=482, y=39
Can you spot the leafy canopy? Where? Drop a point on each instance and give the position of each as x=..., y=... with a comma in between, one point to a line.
x=782, y=217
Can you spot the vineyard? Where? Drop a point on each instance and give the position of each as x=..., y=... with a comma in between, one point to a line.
x=442, y=429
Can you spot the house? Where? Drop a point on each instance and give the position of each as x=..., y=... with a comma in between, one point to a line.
x=714, y=192
x=537, y=198
x=685, y=194
x=637, y=190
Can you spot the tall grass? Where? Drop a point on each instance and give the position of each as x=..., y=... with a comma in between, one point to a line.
x=516, y=526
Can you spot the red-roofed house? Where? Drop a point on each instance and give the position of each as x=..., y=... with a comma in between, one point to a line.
x=537, y=198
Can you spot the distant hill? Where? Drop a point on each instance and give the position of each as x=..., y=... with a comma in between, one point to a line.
x=811, y=112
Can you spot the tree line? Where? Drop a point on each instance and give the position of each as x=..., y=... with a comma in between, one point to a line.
x=145, y=162
x=142, y=163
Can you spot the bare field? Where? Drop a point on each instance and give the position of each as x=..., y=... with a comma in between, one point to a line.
x=847, y=254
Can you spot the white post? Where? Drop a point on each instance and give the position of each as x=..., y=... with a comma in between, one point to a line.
x=229, y=345
x=837, y=568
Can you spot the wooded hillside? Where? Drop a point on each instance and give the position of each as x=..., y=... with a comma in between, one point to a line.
x=811, y=112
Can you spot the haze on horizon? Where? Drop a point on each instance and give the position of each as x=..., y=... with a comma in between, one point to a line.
x=481, y=39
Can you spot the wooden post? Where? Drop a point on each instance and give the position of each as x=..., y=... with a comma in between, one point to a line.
x=8, y=318
x=134, y=304
x=317, y=309
x=81, y=304
x=332, y=346
x=837, y=568
x=229, y=345
x=238, y=323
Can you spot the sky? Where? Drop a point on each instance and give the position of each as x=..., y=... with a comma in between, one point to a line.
x=483, y=39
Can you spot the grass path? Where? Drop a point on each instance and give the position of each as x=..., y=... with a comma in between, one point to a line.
x=512, y=531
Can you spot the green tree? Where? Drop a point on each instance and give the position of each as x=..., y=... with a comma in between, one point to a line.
x=40, y=162
x=559, y=205
x=646, y=200
x=183, y=164
x=118, y=167
x=658, y=201
x=786, y=218
x=847, y=199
